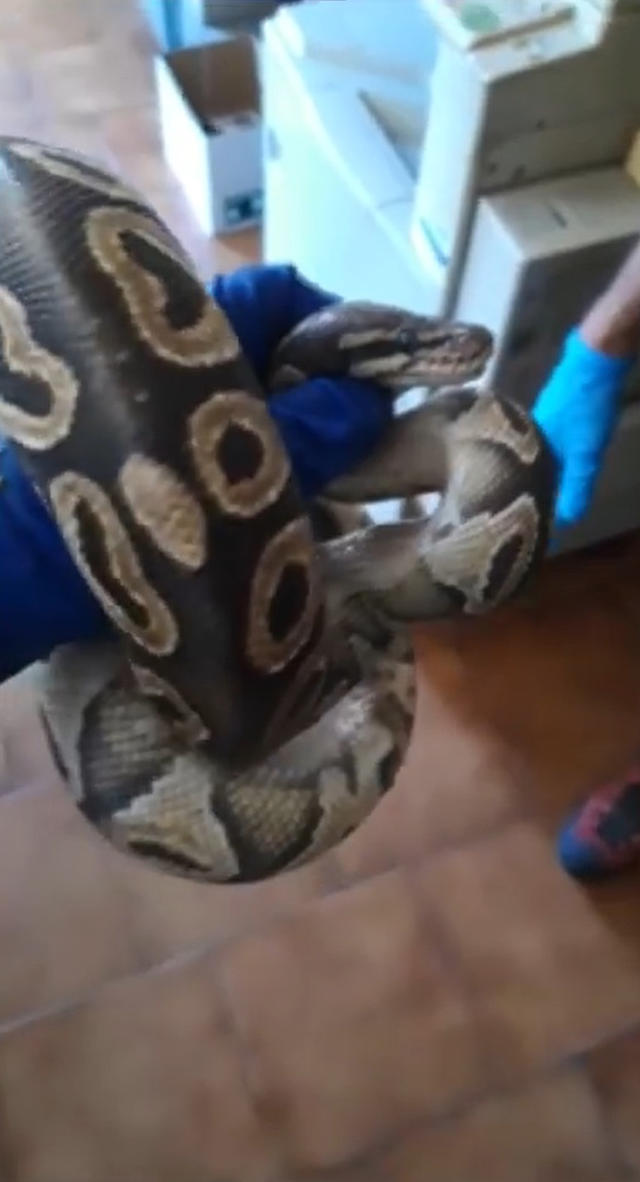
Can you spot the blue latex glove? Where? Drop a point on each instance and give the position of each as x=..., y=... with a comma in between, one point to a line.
x=326, y=425
x=577, y=412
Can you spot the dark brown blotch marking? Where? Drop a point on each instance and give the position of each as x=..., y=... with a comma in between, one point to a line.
x=388, y=768
x=29, y=394
x=516, y=418
x=255, y=862
x=92, y=546
x=289, y=600
x=179, y=863
x=168, y=711
x=185, y=299
x=501, y=566
x=240, y=454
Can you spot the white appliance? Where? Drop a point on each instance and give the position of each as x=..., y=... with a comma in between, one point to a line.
x=339, y=184
x=463, y=159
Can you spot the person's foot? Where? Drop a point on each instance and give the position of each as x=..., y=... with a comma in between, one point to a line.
x=603, y=836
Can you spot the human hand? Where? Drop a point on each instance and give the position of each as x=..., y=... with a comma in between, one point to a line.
x=577, y=412
x=327, y=427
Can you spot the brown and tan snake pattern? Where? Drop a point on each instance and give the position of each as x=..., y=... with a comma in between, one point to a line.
x=258, y=695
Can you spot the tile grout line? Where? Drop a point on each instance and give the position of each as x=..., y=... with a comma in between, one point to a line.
x=221, y=944
x=273, y=1137
x=441, y=849
x=437, y=935
x=578, y=1056
x=336, y=884
x=573, y=1064
x=79, y=1001
x=367, y=1158
x=610, y=1138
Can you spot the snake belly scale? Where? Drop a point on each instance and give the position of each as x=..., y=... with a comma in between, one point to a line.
x=257, y=697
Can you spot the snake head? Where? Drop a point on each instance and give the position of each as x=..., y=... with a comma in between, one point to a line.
x=434, y=353
x=398, y=350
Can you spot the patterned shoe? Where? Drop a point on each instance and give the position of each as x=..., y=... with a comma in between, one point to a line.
x=603, y=836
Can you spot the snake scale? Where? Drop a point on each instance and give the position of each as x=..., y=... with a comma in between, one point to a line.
x=258, y=695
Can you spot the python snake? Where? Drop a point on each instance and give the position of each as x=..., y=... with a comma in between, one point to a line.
x=258, y=695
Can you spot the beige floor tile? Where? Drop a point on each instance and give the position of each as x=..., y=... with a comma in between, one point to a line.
x=615, y=1071
x=352, y=1023
x=64, y=927
x=25, y=755
x=168, y=915
x=143, y=1082
x=553, y=1132
x=549, y=977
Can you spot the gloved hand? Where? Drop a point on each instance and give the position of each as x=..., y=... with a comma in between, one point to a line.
x=577, y=412
x=326, y=425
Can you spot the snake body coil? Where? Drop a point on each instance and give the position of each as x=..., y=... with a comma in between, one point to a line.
x=258, y=697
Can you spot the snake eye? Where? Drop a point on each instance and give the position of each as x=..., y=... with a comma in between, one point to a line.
x=407, y=340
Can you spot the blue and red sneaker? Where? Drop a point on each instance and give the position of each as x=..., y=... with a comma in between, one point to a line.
x=603, y=836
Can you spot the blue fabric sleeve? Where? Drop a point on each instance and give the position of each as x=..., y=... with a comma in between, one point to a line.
x=44, y=601
x=327, y=427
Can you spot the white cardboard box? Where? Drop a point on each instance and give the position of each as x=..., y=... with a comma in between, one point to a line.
x=209, y=101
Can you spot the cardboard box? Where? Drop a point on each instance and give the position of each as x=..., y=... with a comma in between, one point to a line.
x=209, y=100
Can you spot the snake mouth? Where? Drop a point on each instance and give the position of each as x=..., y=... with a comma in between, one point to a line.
x=437, y=375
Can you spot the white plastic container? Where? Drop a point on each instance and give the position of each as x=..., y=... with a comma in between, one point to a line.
x=209, y=103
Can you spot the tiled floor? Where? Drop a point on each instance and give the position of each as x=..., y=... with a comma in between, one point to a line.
x=435, y=1000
